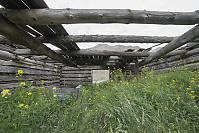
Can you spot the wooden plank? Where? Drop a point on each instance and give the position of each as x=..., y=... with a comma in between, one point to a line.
x=181, y=40
x=69, y=16
x=15, y=34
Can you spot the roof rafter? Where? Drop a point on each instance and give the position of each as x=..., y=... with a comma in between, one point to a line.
x=16, y=34
x=70, y=16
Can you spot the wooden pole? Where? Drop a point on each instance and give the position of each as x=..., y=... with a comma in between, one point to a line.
x=71, y=16
x=181, y=40
x=112, y=38
x=15, y=34
x=105, y=38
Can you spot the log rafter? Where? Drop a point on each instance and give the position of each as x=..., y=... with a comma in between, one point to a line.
x=16, y=34
x=71, y=16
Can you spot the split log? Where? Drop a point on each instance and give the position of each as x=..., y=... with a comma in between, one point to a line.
x=70, y=16
x=14, y=33
x=181, y=40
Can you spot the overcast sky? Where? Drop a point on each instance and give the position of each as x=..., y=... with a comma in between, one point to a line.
x=126, y=29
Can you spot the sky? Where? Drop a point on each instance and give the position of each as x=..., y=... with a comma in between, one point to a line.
x=126, y=29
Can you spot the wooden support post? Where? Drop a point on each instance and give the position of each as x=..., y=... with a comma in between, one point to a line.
x=181, y=40
x=70, y=16
x=14, y=33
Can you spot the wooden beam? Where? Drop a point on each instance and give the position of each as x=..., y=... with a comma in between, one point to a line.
x=70, y=16
x=88, y=53
x=105, y=38
x=112, y=38
x=16, y=34
x=181, y=40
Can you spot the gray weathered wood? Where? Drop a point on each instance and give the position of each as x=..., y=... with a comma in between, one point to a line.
x=9, y=56
x=14, y=33
x=181, y=40
x=113, y=38
x=68, y=16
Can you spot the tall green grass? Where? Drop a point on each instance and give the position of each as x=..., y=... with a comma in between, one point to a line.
x=151, y=103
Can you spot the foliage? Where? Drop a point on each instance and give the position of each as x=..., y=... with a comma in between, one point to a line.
x=27, y=109
x=151, y=103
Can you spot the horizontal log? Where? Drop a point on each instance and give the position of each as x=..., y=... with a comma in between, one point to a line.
x=76, y=75
x=76, y=79
x=9, y=56
x=13, y=70
x=22, y=65
x=104, y=38
x=76, y=72
x=112, y=39
x=88, y=53
x=12, y=77
x=70, y=16
x=181, y=68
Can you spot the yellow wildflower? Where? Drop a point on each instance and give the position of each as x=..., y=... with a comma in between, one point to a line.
x=21, y=105
x=36, y=103
x=190, y=94
x=188, y=89
x=27, y=106
x=30, y=93
x=195, y=106
x=19, y=72
x=193, y=92
x=54, y=95
x=193, y=97
x=22, y=84
x=5, y=92
x=54, y=88
x=103, y=96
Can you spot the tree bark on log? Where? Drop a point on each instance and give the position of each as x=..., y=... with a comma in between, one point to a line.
x=181, y=40
x=70, y=16
x=14, y=33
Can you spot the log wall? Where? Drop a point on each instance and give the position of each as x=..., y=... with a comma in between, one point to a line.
x=35, y=73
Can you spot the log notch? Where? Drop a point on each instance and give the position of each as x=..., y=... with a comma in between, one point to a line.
x=14, y=33
x=181, y=40
x=70, y=16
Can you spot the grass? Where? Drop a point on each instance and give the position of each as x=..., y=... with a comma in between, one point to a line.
x=153, y=103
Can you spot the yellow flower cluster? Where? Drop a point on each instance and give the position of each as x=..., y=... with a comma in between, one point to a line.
x=22, y=105
x=19, y=73
x=5, y=92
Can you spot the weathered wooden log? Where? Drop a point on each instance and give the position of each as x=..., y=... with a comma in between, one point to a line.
x=88, y=53
x=51, y=30
x=104, y=38
x=69, y=16
x=9, y=56
x=14, y=33
x=181, y=40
